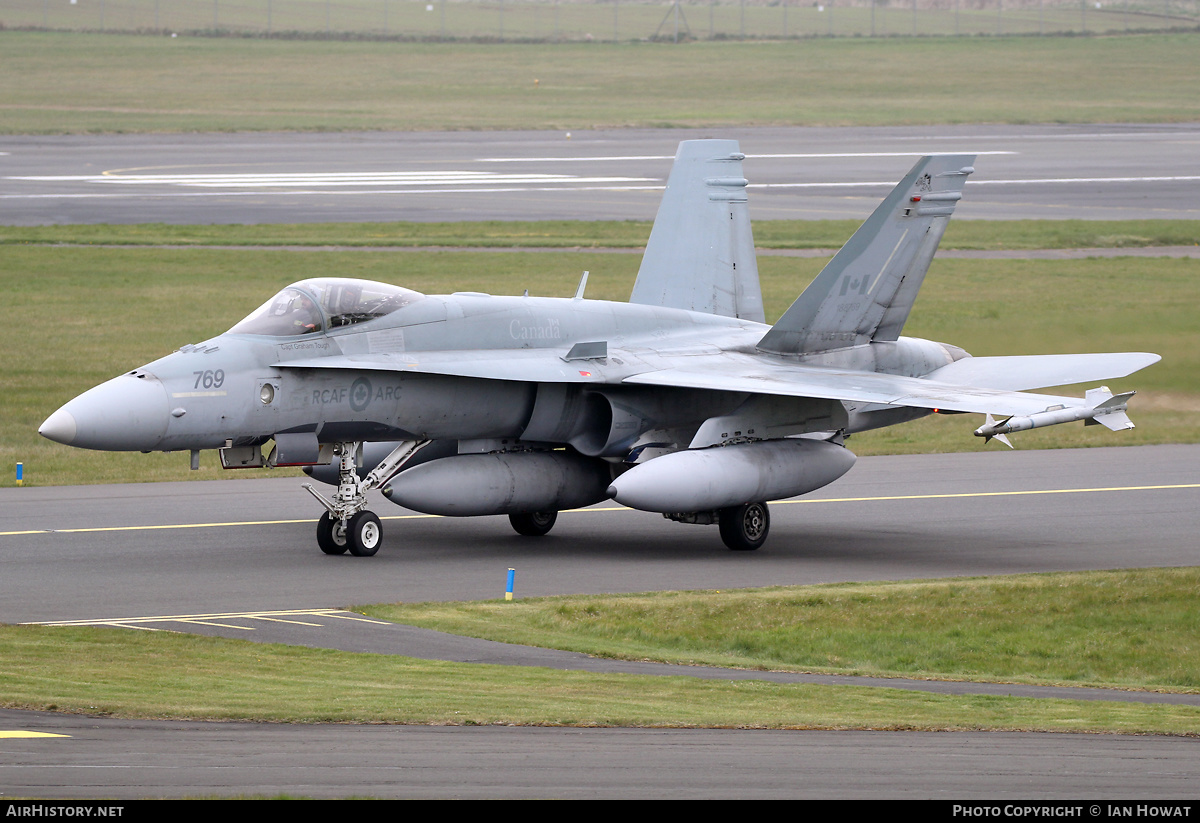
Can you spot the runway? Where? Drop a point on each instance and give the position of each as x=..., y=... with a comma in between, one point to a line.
x=145, y=551
x=194, y=554
x=92, y=552
x=1093, y=172
x=125, y=759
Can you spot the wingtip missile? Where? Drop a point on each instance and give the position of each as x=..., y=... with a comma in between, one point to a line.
x=989, y=431
x=1103, y=407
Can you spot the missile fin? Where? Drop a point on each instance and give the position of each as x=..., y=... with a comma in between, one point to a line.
x=1114, y=421
x=988, y=431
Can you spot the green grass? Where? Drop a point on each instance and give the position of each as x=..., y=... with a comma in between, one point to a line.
x=768, y=234
x=82, y=83
x=1125, y=629
x=135, y=674
x=626, y=20
x=82, y=315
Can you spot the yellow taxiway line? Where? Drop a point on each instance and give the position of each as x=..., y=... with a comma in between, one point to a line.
x=6, y=734
x=803, y=501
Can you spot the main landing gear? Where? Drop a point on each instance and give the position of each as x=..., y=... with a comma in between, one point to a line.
x=744, y=528
x=347, y=525
x=534, y=524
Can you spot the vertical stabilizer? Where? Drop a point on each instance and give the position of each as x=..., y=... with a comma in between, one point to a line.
x=867, y=290
x=701, y=251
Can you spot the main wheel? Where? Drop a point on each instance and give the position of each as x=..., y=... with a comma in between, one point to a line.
x=744, y=528
x=534, y=524
x=364, y=534
x=331, y=535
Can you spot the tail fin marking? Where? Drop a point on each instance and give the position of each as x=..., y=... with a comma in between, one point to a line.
x=867, y=290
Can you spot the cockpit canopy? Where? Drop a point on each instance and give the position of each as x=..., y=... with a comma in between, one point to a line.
x=322, y=303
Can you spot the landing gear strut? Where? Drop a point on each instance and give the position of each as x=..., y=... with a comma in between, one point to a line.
x=346, y=524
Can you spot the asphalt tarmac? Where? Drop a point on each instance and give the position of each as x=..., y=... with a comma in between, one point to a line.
x=238, y=558
x=1093, y=172
x=135, y=758
x=124, y=551
x=225, y=557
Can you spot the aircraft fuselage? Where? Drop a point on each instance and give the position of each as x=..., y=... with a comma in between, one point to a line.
x=243, y=389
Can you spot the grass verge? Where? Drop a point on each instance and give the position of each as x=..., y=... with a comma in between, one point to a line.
x=1126, y=629
x=631, y=234
x=81, y=315
x=76, y=83
x=163, y=675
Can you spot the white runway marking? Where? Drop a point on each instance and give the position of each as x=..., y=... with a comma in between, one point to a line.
x=973, y=183
x=325, y=193
x=288, y=616
x=343, y=179
x=808, y=156
x=459, y=182
x=1174, y=179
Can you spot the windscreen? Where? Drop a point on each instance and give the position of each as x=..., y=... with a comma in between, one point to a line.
x=324, y=303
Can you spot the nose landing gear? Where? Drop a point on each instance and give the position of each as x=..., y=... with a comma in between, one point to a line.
x=331, y=535
x=347, y=525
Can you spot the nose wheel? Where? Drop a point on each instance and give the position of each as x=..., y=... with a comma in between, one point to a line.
x=331, y=535
x=363, y=534
x=360, y=535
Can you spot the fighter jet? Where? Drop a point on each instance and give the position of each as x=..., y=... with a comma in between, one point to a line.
x=681, y=401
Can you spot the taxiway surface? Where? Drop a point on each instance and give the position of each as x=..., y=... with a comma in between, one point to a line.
x=1113, y=172
x=193, y=550
x=141, y=758
x=91, y=552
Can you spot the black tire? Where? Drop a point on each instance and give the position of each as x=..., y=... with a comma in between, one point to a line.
x=533, y=524
x=364, y=534
x=331, y=535
x=744, y=528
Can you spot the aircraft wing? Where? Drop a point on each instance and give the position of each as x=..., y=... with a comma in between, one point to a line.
x=948, y=392
x=532, y=365
x=986, y=385
x=1020, y=372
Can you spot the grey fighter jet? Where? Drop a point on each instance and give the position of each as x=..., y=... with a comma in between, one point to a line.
x=681, y=401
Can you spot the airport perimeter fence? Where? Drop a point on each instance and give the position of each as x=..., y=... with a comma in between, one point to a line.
x=603, y=20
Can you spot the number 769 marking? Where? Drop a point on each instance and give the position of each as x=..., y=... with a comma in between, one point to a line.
x=209, y=379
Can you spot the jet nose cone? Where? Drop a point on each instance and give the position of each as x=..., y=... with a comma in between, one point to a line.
x=127, y=413
x=59, y=427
